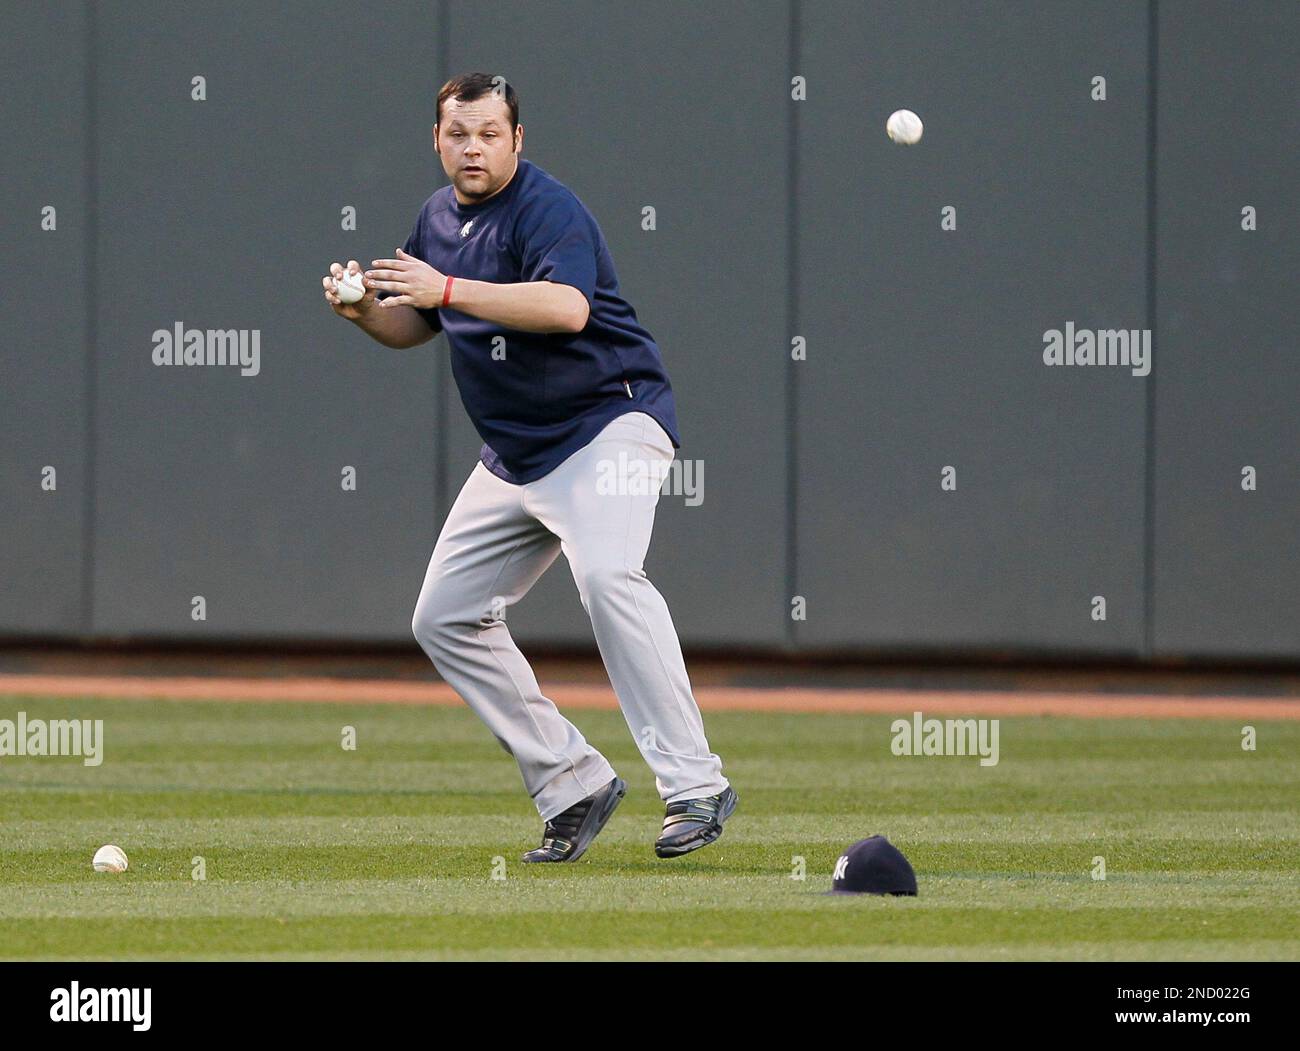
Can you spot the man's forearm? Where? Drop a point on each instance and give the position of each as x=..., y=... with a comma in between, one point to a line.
x=529, y=306
x=398, y=327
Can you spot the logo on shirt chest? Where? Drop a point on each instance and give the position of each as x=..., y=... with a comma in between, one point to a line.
x=464, y=230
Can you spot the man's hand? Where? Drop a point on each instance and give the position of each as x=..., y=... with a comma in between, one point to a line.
x=398, y=329
x=416, y=283
x=351, y=311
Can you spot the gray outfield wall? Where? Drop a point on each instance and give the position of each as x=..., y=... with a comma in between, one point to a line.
x=921, y=481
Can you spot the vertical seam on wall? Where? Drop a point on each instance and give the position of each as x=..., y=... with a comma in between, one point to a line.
x=1149, y=481
x=442, y=361
x=91, y=220
x=792, y=322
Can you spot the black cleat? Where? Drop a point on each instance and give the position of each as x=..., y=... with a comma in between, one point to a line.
x=694, y=823
x=568, y=835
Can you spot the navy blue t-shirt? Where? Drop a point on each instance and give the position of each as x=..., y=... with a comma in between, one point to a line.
x=543, y=396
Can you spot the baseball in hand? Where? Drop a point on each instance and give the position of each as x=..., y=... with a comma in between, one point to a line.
x=109, y=859
x=904, y=127
x=349, y=288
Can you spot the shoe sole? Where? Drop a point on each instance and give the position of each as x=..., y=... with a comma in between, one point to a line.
x=607, y=801
x=706, y=838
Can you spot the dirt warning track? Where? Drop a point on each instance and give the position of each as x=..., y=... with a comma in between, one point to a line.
x=711, y=698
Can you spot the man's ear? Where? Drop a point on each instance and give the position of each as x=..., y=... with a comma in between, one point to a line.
x=435, y=140
x=519, y=138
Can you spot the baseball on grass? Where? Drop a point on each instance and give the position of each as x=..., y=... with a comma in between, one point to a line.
x=109, y=859
x=349, y=288
x=904, y=126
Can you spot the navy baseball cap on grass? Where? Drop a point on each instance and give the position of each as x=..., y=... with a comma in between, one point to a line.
x=873, y=866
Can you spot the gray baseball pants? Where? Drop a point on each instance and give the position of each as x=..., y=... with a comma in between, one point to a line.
x=497, y=541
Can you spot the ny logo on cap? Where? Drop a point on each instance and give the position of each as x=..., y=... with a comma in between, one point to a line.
x=841, y=868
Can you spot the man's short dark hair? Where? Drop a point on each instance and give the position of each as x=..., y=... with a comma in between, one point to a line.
x=470, y=86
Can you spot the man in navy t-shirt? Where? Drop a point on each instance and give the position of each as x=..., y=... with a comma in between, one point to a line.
x=569, y=394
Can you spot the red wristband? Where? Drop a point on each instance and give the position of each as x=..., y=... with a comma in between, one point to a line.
x=446, y=292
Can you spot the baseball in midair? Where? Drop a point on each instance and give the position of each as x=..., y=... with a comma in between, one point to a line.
x=109, y=859
x=349, y=288
x=904, y=127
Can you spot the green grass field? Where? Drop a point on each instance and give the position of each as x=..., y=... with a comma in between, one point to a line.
x=312, y=852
